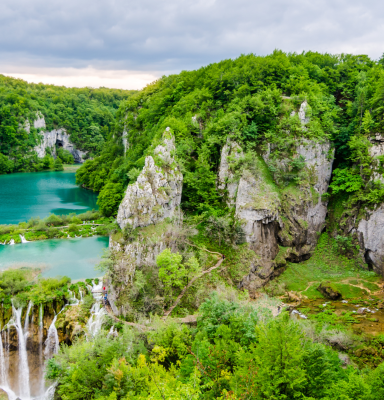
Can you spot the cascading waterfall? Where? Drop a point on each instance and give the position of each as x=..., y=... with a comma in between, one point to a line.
x=3, y=365
x=35, y=385
x=23, y=239
x=96, y=319
x=52, y=342
x=24, y=390
x=26, y=322
x=41, y=360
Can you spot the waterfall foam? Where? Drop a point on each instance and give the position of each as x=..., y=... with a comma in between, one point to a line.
x=96, y=319
x=23, y=239
x=52, y=341
x=26, y=322
x=3, y=365
x=24, y=390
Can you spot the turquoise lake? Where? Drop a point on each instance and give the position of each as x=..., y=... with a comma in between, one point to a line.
x=27, y=195
x=75, y=258
x=37, y=194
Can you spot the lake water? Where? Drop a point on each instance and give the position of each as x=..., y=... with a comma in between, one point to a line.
x=75, y=258
x=37, y=194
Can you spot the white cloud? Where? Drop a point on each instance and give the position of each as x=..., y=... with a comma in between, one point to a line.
x=171, y=35
x=72, y=77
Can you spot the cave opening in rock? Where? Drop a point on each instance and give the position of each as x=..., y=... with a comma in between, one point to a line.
x=59, y=143
x=368, y=260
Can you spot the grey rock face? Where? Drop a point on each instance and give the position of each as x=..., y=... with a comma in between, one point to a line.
x=377, y=148
x=257, y=205
x=55, y=137
x=319, y=159
x=273, y=217
x=231, y=151
x=156, y=194
x=39, y=122
x=371, y=235
x=304, y=119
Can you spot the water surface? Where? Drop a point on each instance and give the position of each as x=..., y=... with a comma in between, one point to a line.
x=37, y=194
x=75, y=258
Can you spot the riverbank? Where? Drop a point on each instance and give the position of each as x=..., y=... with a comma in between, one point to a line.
x=84, y=225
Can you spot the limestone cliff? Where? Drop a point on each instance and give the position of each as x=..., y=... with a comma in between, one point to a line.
x=370, y=227
x=226, y=178
x=156, y=194
x=278, y=216
x=59, y=137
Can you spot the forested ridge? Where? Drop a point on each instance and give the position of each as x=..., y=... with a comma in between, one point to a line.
x=247, y=98
x=205, y=308
x=291, y=337
x=87, y=114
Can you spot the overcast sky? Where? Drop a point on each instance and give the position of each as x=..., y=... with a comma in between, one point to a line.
x=127, y=44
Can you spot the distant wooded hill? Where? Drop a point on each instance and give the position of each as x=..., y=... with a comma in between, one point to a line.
x=86, y=114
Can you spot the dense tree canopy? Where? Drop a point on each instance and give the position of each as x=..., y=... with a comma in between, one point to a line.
x=252, y=99
x=87, y=114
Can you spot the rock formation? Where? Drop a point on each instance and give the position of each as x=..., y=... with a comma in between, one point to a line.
x=55, y=137
x=370, y=227
x=226, y=178
x=273, y=216
x=156, y=194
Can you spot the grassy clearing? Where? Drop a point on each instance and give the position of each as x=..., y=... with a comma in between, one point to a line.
x=328, y=264
x=71, y=167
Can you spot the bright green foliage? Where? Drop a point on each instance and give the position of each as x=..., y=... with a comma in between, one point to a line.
x=65, y=156
x=110, y=198
x=346, y=180
x=171, y=271
x=211, y=362
x=250, y=99
x=59, y=164
x=13, y=281
x=87, y=114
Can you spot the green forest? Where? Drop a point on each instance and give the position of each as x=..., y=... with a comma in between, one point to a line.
x=87, y=114
x=246, y=98
x=195, y=309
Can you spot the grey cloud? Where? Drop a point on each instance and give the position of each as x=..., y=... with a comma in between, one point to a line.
x=178, y=34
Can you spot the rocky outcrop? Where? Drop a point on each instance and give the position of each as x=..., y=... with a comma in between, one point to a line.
x=257, y=207
x=56, y=137
x=304, y=210
x=329, y=291
x=277, y=216
x=156, y=194
x=370, y=228
x=231, y=152
x=371, y=237
x=127, y=258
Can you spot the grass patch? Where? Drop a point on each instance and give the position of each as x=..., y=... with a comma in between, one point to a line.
x=371, y=286
x=327, y=264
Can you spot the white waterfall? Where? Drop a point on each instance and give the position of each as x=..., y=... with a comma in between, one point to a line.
x=26, y=322
x=73, y=300
x=23, y=239
x=12, y=242
x=3, y=365
x=24, y=390
x=41, y=360
x=96, y=319
x=52, y=342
